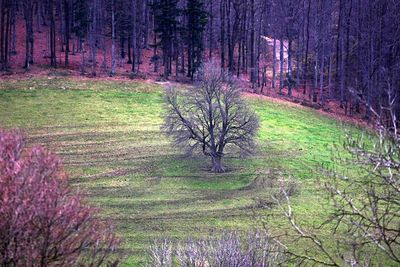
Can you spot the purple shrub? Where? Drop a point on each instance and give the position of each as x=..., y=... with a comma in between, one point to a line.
x=42, y=222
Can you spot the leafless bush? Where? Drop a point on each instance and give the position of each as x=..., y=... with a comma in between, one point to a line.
x=363, y=224
x=228, y=249
x=193, y=253
x=161, y=253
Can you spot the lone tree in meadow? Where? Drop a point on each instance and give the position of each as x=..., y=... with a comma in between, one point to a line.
x=212, y=116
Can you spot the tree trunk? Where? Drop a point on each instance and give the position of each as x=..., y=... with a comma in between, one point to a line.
x=229, y=37
x=216, y=162
x=129, y=49
x=289, y=74
x=134, y=39
x=67, y=30
x=113, y=61
x=338, y=48
x=53, y=60
x=305, y=69
x=210, y=41
x=282, y=61
x=222, y=10
x=252, y=33
x=274, y=64
x=93, y=39
x=14, y=28
x=314, y=89
x=146, y=25
x=28, y=34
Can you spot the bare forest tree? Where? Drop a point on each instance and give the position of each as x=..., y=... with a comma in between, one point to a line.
x=211, y=117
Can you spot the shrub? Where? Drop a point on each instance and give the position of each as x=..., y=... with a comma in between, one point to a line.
x=42, y=222
x=228, y=249
x=363, y=221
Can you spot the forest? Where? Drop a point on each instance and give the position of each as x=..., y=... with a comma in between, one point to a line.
x=202, y=133
x=320, y=50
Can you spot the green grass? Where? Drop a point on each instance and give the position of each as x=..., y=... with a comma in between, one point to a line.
x=108, y=134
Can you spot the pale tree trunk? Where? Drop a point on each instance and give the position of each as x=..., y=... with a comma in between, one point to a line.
x=321, y=80
x=258, y=54
x=282, y=61
x=83, y=61
x=342, y=73
x=290, y=67
x=274, y=64
x=330, y=76
x=298, y=70
x=315, y=87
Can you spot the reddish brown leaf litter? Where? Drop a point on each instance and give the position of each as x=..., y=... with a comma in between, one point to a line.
x=41, y=69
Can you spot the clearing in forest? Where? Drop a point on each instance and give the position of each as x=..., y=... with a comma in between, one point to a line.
x=108, y=134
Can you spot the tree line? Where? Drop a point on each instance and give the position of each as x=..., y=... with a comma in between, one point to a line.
x=346, y=50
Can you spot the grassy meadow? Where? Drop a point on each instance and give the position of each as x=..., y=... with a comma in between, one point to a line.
x=108, y=134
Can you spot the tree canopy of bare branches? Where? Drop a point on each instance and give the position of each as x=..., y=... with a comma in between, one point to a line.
x=364, y=207
x=211, y=116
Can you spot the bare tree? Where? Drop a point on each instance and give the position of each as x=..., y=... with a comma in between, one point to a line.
x=211, y=116
x=364, y=214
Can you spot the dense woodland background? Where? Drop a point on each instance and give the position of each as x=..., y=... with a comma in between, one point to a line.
x=321, y=50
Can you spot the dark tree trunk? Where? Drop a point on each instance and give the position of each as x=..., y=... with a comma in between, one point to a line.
x=252, y=61
x=222, y=11
x=216, y=162
x=305, y=69
x=229, y=37
x=53, y=59
x=210, y=38
x=14, y=28
x=67, y=30
x=28, y=33
x=129, y=50
x=6, y=39
x=338, y=46
x=134, y=32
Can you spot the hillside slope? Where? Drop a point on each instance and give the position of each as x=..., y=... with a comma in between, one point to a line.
x=108, y=134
